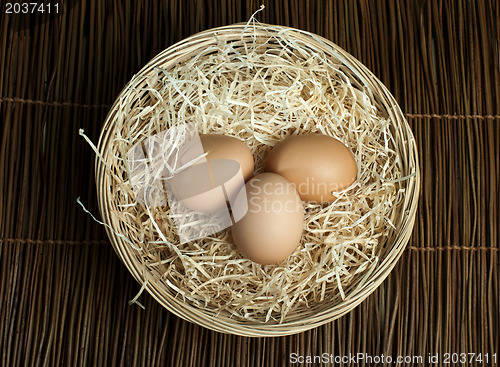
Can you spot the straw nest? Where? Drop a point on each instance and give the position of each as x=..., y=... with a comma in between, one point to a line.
x=261, y=84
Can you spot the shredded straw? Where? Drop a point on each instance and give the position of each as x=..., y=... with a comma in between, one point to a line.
x=261, y=88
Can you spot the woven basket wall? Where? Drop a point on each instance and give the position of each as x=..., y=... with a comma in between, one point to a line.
x=237, y=36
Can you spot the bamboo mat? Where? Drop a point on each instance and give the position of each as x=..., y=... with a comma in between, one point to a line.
x=64, y=293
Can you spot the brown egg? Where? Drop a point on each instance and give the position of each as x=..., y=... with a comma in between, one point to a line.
x=272, y=227
x=318, y=165
x=206, y=185
x=228, y=147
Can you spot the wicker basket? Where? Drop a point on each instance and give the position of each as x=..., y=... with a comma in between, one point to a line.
x=389, y=253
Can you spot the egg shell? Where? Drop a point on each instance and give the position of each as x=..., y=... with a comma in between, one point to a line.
x=318, y=165
x=272, y=227
x=228, y=147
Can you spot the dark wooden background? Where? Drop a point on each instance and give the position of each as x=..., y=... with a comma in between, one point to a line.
x=64, y=293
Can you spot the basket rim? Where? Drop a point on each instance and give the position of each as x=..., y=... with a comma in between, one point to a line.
x=192, y=313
